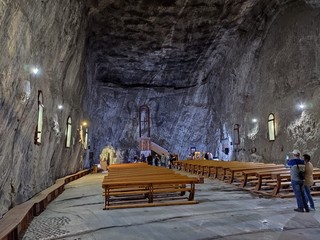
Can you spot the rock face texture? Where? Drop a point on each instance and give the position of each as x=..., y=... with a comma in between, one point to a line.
x=205, y=68
x=202, y=67
x=49, y=35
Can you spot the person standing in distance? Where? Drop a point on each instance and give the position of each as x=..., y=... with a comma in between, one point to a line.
x=308, y=182
x=296, y=164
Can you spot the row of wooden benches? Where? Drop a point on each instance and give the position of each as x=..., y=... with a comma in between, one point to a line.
x=142, y=185
x=266, y=179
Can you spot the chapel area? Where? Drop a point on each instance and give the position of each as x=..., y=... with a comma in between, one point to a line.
x=183, y=112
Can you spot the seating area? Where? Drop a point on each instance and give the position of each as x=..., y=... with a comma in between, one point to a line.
x=270, y=180
x=18, y=218
x=142, y=185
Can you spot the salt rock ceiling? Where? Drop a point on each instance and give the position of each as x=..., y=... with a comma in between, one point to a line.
x=163, y=43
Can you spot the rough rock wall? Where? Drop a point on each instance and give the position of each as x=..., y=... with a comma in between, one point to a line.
x=275, y=72
x=171, y=56
x=51, y=36
x=201, y=67
x=175, y=119
x=144, y=52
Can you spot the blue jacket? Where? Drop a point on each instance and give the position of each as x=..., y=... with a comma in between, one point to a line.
x=292, y=163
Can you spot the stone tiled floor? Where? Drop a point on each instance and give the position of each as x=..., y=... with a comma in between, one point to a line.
x=224, y=212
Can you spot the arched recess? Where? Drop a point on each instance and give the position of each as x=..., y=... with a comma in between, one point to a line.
x=38, y=131
x=84, y=132
x=236, y=135
x=68, y=132
x=271, y=127
x=85, y=144
x=144, y=121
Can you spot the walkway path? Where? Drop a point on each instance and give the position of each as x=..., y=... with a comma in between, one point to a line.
x=224, y=212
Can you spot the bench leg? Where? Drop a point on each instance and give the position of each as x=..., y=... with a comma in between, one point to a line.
x=192, y=191
x=150, y=196
x=276, y=188
x=259, y=183
x=216, y=171
x=183, y=193
x=231, y=178
x=244, y=181
x=106, y=198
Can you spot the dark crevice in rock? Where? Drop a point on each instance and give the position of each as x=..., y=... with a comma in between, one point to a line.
x=146, y=86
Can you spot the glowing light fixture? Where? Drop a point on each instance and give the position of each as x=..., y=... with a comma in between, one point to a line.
x=84, y=124
x=254, y=120
x=35, y=70
x=302, y=106
x=60, y=107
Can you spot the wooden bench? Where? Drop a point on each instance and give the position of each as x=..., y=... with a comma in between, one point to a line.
x=128, y=186
x=232, y=171
x=222, y=171
x=282, y=181
x=260, y=176
x=218, y=169
x=148, y=188
x=194, y=166
x=201, y=166
x=18, y=218
x=251, y=174
x=177, y=164
x=263, y=176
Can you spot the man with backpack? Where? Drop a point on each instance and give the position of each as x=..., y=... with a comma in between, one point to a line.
x=297, y=169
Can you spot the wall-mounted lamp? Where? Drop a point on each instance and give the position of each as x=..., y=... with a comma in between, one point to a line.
x=302, y=106
x=35, y=70
x=254, y=120
x=60, y=107
x=84, y=124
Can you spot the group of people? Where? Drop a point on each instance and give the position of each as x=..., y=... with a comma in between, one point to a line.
x=199, y=155
x=301, y=182
x=161, y=161
x=156, y=160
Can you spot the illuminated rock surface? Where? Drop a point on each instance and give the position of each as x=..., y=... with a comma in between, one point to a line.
x=201, y=67
x=49, y=35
